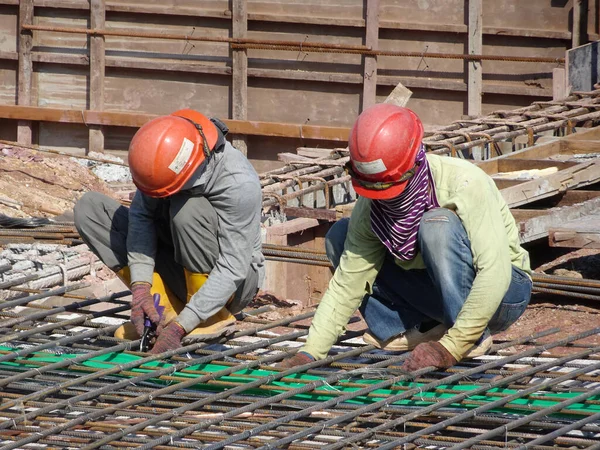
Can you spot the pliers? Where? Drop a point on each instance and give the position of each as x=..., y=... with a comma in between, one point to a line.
x=149, y=327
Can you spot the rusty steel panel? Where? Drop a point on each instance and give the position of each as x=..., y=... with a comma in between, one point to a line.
x=435, y=108
x=53, y=135
x=68, y=42
x=300, y=33
x=295, y=86
x=422, y=42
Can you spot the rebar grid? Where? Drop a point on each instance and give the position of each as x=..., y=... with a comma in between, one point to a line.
x=66, y=382
x=66, y=403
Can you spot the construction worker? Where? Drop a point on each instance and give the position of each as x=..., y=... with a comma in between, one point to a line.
x=430, y=255
x=192, y=233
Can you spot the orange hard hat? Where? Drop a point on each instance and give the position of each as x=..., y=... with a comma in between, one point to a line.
x=383, y=143
x=165, y=152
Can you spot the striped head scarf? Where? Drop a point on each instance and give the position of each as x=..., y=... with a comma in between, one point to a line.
x=396, y=221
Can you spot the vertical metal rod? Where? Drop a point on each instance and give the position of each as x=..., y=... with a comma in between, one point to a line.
x=475, y=43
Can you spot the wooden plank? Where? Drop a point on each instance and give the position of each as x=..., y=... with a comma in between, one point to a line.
x=239, y=63
x=399, y=96
x=121, y=119
x=559, y=83
x=579, y=147
x=370, y=62
x=522, y=215
x=25, y=43
x=534, y=225
x=581, y=233
x=575, y=196
x=291, y=226
x=578, y=20
x=503, y=184
x=475, y=76
x=97, y=70
x=512, y=165
x=329, y=215
x=577, y=176
x=315, y=152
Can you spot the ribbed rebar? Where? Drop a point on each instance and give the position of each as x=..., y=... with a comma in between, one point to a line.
x=153, y=374
x=20, y=318
x=55, y=292
x=406, y=394
x=147, y=359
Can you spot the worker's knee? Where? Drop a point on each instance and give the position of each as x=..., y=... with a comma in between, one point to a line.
x=441, y=229
x=335, y=239
x=192, y=216
x=86, y=208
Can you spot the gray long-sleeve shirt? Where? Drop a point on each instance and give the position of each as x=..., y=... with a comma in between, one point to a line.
x=231, y=185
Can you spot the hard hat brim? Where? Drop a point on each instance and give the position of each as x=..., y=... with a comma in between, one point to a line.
x=382, y=194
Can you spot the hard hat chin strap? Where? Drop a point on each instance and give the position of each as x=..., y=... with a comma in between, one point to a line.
x=205, y=148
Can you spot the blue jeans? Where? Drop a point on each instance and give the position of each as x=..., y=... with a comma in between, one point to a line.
x=403, y=299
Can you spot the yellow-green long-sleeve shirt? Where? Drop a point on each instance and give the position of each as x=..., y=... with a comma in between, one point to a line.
x=468, y=191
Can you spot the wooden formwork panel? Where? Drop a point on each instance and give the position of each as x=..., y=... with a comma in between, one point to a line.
x=8, y=28
x=157, y=75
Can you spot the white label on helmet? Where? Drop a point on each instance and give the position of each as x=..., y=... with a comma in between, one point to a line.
x=370, y=167
x=183, y=156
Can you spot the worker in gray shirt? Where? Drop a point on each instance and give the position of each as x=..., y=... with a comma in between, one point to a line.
x=192, y=233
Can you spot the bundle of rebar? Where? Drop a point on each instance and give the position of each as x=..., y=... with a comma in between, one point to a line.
x=41, y=265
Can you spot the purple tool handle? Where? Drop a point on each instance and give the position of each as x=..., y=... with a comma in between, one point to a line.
x=159, y=309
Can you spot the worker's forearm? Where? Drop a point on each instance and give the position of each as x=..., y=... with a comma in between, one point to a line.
x=141, y=238
x=485, y=297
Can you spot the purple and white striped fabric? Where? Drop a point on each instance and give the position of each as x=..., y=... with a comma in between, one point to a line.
x=396, y=221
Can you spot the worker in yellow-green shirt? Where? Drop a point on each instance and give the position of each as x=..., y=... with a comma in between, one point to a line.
x=430, y=256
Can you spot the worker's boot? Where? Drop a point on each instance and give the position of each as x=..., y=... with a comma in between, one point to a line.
x=408, y=340
x=168, y=300
x=221, y=323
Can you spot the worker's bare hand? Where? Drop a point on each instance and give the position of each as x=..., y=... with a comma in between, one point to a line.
x=298, y=359
x=169, y=339
x=429, y=354
x=142, y=306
